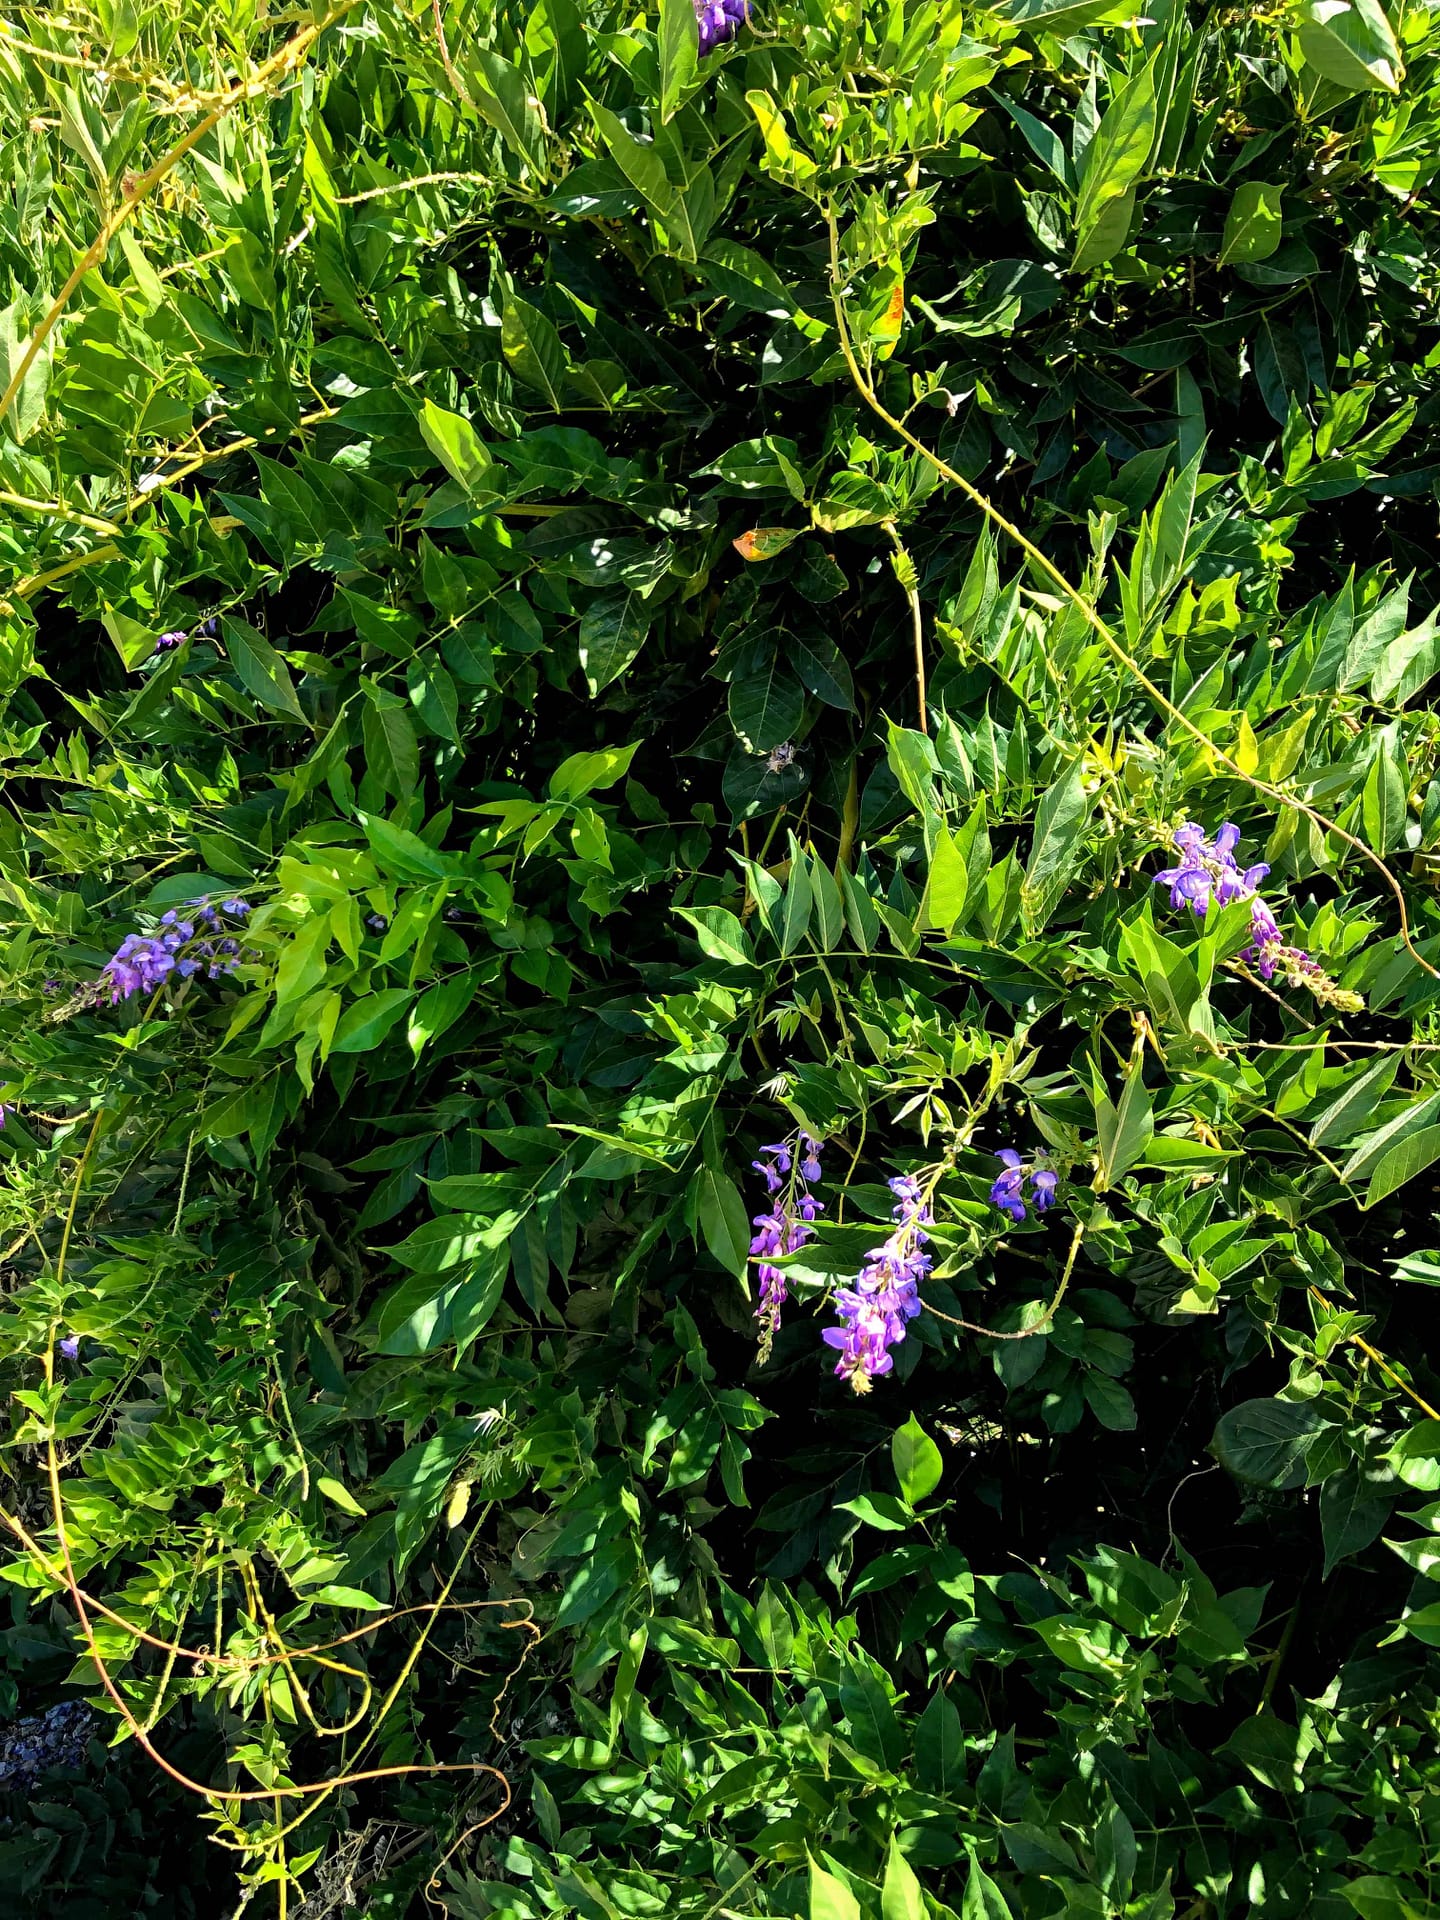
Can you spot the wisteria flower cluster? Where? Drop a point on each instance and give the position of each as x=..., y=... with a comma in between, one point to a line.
x=41, y=1742
x=1008, y=1192
x=1208, y=872
x=719, y=21
x=874, y=1312
x=790, y=1168
x=181, y=947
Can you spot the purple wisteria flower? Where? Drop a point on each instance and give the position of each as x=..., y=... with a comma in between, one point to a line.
x=789, y=1168
x=168, y=642
x=1209, y=871
x=70, y=1346
x=144, y=961
x=1008, y=1192
x=886, y=1295
x=719, y=21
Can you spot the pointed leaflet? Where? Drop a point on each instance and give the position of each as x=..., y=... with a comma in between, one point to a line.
x=1118, y=154
x=983, y=1899
x=723, y=1220
x=460, y=450
x=900, y=1896
x=1252, y=226
x=1350, y=43
x=1059, y=823
x=916, y=1460
x=260, y=670
x=949, y=883
x=679, y=53
x=798, y=899
x=532, y=348
x=612, y=631
x=765, y=707
x=1383, y=805
x=830, y=1899
x=505, y=101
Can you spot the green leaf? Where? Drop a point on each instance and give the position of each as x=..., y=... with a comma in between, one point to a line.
x=720, y=934
x=460, y=450
x=1125, y=1130
x=798, y=899
x=391, y=750
x=260, y=670
x=1401, y=1163
x=1350, y=43
x=983, y=1899
x=429, y=1311
x=765, y=707
x=1357, y=1100
x=1354, y=1506
x=679, y=53
x=584, y=773
x=533, y=350
x=1383, y=806
x=723, y=1220
x=1253, y=224
x=829, y=922
x=1060, y=822
x=506, y=101
x=940, y=1747
x=949, y=883
x=917, y=1461
x=612, y=631
x=365, y=1023
x=880, y=1510
x=1270, y=1749
x=1117, y=155
x=821, y=669
x=830, y=1899
x=1265, y=1441
x=900, y=1895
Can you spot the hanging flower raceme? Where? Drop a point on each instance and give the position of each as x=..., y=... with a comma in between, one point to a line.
x=181, y=947
x=1208, y=871
x=719, y=21
x=790, y=1168
x=1008, y=1192
x=886, y=1295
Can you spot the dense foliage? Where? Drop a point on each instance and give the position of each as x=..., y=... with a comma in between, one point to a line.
x=601, y=647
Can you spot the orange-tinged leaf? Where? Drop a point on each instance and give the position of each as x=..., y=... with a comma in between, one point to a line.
x=895, y=312
x=763, y=543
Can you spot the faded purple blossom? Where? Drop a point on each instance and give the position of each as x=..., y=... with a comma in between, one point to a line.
x=719, y=21
x=70, y=1346
x=1008, y=1192
x=876, y=1310
x=789, y=1168
x=781, y=757
x=169, y=641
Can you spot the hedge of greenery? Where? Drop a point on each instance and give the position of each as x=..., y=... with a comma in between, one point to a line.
x=645, y=1270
